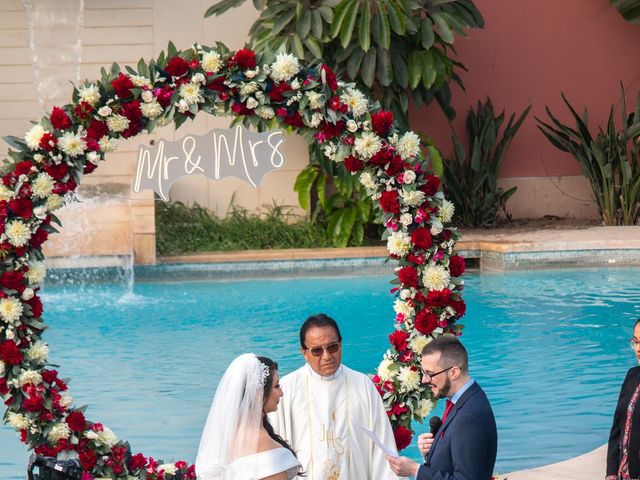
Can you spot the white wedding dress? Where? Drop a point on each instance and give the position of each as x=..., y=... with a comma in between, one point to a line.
x=264, y=464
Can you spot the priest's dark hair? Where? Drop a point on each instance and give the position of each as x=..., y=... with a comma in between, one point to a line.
x=451, y=350
x=318, y=320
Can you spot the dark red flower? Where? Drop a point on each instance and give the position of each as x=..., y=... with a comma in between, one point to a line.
x=3, y=386
x=439, y=298
x=389, y=201
x=217, y=84
x=34, y=403
x=10, y=353
x=13, y=281
x=122, y=85
x=456, y=265
x=408, y=276
x=421, y=238
x=21, y=207
x=381, y=122
x=446, y=234
x=46, y=450
x=295, y=120
x=241, y=109
x=22, y=168
x=137, y=462
x=57, y=172
x=163, y=95
x=381, y=158
x=97, y=130
x=36, y=306
x=459, y=306
x=334, y=103
x=48, y=142
x=353, y=164
x=426, y=322
x=89, y=167
x=399, y=340
x=403, y=437
x=276, y=91
x=176, y=67
x=396, y=165
x=245, y=58
x=39, y=237
x=329, y=77
x=398, y=409
x=88, y=459
x=83, y=110
x=59, y=119
x=49, y=376
x=131, y=110
x=432, y=185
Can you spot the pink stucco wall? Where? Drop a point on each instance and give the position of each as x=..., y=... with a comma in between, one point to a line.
x=529, y=52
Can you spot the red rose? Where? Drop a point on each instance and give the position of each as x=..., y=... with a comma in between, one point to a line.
x=13, y=281
x=456, y=265
x=83, y=110
x=421, y=238
x=48, y=142
x=329, y=77
x=426, y=322
x=88, y=459
x=36, y=306
x=122, y=85
x=277, y=90
x=22, y=168
x=57, y=172
x=353, y=164
x=21, y=207
x=176, y=67
x=389, y=201
x=59, y=119
x=10, y=353
x=432, y=185
x=399, y=340
x=245, y=58
x=38, y=238
x=408, y=276
x=381, y=122
x=403, y=437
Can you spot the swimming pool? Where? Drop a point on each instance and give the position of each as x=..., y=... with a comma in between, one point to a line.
x=549, y=347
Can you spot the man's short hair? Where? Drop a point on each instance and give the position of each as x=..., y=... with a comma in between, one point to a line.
x=451, y=351
x=318, y=320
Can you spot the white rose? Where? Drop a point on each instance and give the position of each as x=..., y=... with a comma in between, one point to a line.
x=147, y=96
x=252, y=102
x=352, y=126
x=105, y=111
x=408, y=176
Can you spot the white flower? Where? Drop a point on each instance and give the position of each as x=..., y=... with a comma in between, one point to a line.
x=66, y=400
x=398, y=243
x=316, y=118
x=72, y=144
x=400, y=306
x=252, y=102
x=183, y=106
x=352, y=125
x=33, y=136
x=285, y=67
x=6, y=193
x=248, y=88
x=59, y=431
x=151, y=109
x=409, y=379
x=406, y=293
x=191, y=93
x=408, y=145
x=408, y=176
x=2, y=368
x=169, y=468
x=42, y=186
x=54, y=202
x=117, y=123
x=417, y=343
x=367, y=145
x=436, y=227
x=147, y=96
x=424, y=407
x=89, y=93
x=383, y=369
x=10, y=310
x=29, y=376
x=412, y=197
x=251, y=73
x=211, y=62
x=27, y=294
x=140, y=81
x=38, y=352
x=94, y=157
x=105, y=437
x=265, y=112
x=18, y=421
x=367, y=180
x=356, y=101
x=18, y=233
x=447, y=209
x=435, y=277
x=37, y=272
x=316, y=100
x=108, y=144
x=105, y=111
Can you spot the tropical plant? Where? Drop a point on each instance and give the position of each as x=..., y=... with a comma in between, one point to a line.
x=471, y=179
x=629, y=9
x=610, y=161
x=395, y=50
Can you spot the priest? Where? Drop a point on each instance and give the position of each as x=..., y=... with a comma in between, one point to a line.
x=324, y=407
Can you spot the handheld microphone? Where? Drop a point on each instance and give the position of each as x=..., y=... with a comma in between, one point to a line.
x=434, y=424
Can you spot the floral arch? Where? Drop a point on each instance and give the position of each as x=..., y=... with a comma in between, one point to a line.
x=54, y=155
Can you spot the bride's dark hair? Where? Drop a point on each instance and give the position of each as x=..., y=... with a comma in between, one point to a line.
x=273, y=366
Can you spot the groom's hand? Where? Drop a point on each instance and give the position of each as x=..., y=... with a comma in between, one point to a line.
x=424, y=443
x=403, y=467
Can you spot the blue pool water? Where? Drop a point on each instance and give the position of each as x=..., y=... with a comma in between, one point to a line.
x=549, y=347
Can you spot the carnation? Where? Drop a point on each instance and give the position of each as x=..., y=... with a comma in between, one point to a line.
x=367, y=145
x=356, y=101
x=435, y=277
x=54, y=202
x=37, y=272
x=367, y=180
x=2, y=368
x=108, y=144
x=18, y=421
x=151, y=109
x=405, y=308
x=447, y=209
x=424, y=407
x=118, y=123
x=285, y=67
x=10, y=310
x=34, y=135
x=18, y=233
x=417, y=343
x=211, y=62
x=66, y=400
x=29, y=376
x=315, y=121
x=398, y=243
x=408, y=146
x=38, y=352
x=6, y=193
x=191, y=93
x=58, y=432
x=412, y=198
x=409, y=379
x=316, y=100
x=248, y=88
x=72, y=144
x=265, y=112
x=384, y=371
x=106, y=437
x=169, y=468
x=252, y=103
x=89, y=93
x=42, y=186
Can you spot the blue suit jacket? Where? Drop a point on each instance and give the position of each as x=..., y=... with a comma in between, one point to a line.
x=465, y=446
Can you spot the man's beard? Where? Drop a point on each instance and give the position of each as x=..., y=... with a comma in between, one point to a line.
x=446, y=388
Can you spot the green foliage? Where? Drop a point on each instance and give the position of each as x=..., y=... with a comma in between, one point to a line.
x=470, y=179
x=629, y=9
x=392, y=48
x=610, y=161
x=183, y=229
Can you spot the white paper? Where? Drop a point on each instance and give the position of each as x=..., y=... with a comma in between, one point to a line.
x=378, y=442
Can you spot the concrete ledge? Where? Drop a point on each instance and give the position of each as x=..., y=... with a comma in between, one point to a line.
x=590, y=466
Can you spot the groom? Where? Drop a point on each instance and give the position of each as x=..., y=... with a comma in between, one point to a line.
x=464, y=447
x=324, y=404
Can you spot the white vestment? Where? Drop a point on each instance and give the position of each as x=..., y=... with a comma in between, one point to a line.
x=320, y=418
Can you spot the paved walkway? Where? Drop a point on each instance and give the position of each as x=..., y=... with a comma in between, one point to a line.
x=590, y=466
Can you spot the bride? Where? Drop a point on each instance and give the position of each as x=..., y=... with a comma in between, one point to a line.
x=238, y=443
